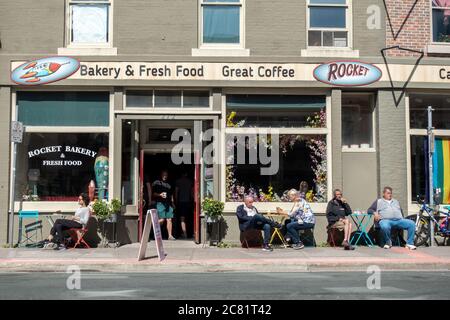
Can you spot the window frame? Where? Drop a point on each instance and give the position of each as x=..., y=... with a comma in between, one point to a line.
x=241, y=44
x=68, y=25
x=348, y=23
x=64, y=206
x=181, y=108
x=431, y=25
x=412, y=206
x=374, y=140
x=265, y=206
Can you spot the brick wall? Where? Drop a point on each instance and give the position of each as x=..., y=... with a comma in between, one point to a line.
x=412, y=34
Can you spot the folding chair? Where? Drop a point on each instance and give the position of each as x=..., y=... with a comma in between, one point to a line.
x=29, y=228
x=77, y=236
x=32, y=230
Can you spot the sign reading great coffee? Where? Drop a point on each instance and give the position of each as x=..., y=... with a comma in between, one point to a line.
x=335, y=73
x=347, y=73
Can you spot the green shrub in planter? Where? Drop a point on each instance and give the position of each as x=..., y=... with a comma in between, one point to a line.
x=101, y=209
x=213, y=209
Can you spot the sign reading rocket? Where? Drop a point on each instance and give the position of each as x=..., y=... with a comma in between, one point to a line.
x=347, y=73
x=45, y=70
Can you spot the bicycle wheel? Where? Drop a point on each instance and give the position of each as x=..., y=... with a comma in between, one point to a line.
x=422, y=233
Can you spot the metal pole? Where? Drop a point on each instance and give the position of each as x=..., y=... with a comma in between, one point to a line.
x=430, y=168
x=11, y=205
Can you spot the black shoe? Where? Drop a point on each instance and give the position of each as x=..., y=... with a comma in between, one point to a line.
x=349, y=247
x=278, y=225
x=298, y=246
x=60, y=247
x=266, y=247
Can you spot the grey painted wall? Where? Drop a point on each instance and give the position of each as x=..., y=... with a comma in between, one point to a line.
x=359, y=179
x=161, y=27
x=392, y=145
x=5, y=102
x=336, y=138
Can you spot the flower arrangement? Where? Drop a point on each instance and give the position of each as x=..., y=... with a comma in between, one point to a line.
x=316, y=144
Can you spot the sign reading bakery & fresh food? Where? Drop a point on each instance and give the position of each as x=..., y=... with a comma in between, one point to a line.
x=347, y=73
x=45, y=70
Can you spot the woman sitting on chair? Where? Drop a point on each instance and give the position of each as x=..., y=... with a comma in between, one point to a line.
x=78, y=220
x=302, y=218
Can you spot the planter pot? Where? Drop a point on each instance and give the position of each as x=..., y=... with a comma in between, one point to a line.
x=212, y=219
x=112, y=218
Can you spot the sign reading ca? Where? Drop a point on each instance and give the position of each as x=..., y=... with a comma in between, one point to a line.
x=347, y=73
x=45, y=70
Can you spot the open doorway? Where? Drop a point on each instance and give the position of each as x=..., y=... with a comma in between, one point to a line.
x=180, y=178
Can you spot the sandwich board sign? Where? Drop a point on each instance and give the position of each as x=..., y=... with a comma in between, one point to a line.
x=152, y=219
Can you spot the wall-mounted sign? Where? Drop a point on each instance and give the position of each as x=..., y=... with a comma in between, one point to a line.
x=347, y=73
x=63, y=154
x=46, y=70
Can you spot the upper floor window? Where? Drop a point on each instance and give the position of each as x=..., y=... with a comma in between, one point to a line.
x=328, y=23
x=441, y=20
x=221, y=22
x=89, y=23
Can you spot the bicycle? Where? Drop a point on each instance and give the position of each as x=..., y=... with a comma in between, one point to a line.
x=422, y=220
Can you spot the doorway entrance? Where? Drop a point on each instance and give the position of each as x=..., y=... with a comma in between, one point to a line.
x=181, y=179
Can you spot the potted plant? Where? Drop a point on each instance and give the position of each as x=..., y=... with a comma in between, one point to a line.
x=101, y=209
x=114, y=208
x=213, y=209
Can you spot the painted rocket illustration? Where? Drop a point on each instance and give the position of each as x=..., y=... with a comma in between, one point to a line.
x=40, y=70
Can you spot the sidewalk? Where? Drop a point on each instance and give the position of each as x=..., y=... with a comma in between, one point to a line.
x=188, y=257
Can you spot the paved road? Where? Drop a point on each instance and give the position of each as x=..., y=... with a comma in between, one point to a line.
x=211, y=286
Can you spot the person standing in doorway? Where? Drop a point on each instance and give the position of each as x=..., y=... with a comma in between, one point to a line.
x=184, y=199
x=163, y=195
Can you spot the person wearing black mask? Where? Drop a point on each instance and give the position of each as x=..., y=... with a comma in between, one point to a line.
x=337, y=211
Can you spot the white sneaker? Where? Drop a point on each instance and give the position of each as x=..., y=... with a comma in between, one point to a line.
x=411, y=246
x=386, y=246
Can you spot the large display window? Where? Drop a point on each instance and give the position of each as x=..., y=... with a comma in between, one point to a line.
x=60, y=166
x=297, y=147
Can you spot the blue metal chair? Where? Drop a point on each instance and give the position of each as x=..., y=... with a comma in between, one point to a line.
x=29, y=230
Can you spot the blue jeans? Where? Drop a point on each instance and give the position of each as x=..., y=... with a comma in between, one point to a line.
x=293, y=228
x=259, y=222
x=403, y=224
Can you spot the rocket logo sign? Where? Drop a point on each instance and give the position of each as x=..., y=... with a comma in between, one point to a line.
x=46, y=70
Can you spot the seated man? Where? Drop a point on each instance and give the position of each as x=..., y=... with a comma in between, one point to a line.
x=337, y=211
x=302, y=218
x=388, y=214
x=249, y=218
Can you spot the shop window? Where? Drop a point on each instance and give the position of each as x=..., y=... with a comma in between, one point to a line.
x=301, y=165
x=357, y=121
x=328, y=24
x=89, y=22
x=139, y=99
x=276, y=111
x=193, y=99
x=441, y=168
x=76, y=109
x=221, y=22
x=60, y=166
x=418, y=105
x=167, y=99
x=441, y=20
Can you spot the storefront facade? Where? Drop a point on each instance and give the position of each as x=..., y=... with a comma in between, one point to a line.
x=320, y=98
